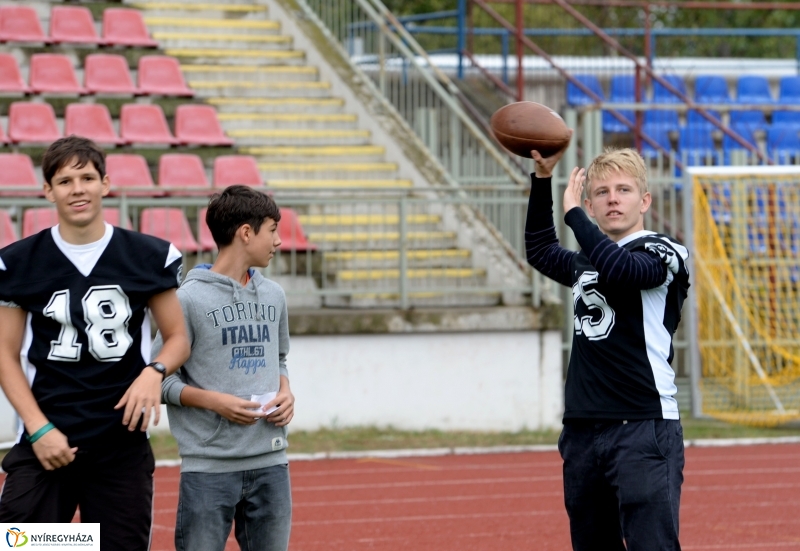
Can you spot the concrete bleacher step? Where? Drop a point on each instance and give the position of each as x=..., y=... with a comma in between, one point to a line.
x=416, y=299
x=237, y=56
x=251, y=73
x=289, y=136
x=326, y=121
x=276, y=89
x=286, y=170
x=266, y=42
x=381, y=240
x=421, y=258
x=418, y=278
x=213, y=25
x=222, y=9
x=339, y=184
x=277, y=105
x=353, y=153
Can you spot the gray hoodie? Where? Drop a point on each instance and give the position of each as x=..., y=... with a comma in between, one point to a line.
x=240, y=339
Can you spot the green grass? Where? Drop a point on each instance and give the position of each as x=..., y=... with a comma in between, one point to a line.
x=371, y=438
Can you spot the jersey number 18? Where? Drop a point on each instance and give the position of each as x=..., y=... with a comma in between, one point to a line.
x=107, y=312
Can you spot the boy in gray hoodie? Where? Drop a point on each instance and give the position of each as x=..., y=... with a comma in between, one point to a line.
x=229, y=404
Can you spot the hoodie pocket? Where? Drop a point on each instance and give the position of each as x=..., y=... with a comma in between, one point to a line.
x=221, y=422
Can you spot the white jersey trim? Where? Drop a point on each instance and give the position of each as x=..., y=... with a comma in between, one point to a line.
x=173, y=255
x=27, y=367
x=83, y=257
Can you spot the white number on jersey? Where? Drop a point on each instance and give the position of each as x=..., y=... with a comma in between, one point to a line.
x=600, y=328
x=107, y=312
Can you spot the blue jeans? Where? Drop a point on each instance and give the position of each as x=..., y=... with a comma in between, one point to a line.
x=622, y=482
x=260, y=502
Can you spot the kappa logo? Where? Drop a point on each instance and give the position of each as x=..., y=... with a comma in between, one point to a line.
x=15, y=537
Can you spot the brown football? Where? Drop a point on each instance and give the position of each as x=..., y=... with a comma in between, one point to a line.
x=528, y=125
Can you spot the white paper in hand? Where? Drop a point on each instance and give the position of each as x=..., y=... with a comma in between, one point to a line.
x=264, y=399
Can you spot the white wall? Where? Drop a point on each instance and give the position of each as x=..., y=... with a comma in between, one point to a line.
x=450, y=381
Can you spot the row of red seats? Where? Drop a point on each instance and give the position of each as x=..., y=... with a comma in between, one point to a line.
x=167, y=223
x=130, y=172
x=139, y=123
x=103, y=74
x=75, y=24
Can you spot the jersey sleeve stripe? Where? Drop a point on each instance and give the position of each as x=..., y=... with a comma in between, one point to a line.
x=173, y=255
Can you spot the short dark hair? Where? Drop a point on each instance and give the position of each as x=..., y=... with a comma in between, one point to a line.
x=64, y=150
x=236, y=206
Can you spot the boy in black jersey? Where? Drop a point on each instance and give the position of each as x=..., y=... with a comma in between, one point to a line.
x=73, y=357
x=622, y=442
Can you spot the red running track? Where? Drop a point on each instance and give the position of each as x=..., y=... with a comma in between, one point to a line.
x=734, y=498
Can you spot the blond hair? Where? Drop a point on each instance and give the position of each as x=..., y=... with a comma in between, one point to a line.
x=626, y=161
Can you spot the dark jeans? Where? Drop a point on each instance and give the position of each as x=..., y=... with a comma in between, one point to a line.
x=622, y=483
x=112, y=486
x=260, y=502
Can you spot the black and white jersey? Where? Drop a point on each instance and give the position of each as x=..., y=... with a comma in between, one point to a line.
x=627, y=299
x=87, y=335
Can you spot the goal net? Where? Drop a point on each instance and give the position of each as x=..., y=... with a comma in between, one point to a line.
x=744, y=228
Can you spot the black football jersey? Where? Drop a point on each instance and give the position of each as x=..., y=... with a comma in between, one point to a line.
x=88, y=335
x=622, y=348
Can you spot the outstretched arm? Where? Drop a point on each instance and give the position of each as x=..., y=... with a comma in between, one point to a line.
x=52, y=449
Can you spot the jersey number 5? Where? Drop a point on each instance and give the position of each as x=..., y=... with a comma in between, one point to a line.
x=106, y=310
x=593, y=327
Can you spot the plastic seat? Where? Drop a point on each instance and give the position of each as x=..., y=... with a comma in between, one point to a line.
x=16, y=170
x=695, y=119
x=786, y=117
x=161, y=75
x=91, y=120
x=20, y=24
x=751, y=118
x=789, y=90
x=144, y=124
x=53, y=73
x=125, y=27
x=171, y=225
x=198, y=125
x=576, y=96
x=10, y=76
x=783, y=143
x=129, y=172
x=231, y=170
x=621, y=91
x=293, y=238
x=696, y=146
x=662, y=95
x=204, y=237
x=32, y=123
x=73, y=24
x=729, y=145
x=658, y=134
x=661, y=117
x=753, y=89
x=181, y=170
x=8, y=233
x=112, y=216
x=711, y=89
x=38, y=219
x=107, y=74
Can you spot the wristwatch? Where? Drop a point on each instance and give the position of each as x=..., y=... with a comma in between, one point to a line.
x=161, y=368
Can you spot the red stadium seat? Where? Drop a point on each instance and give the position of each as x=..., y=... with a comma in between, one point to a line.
x=161, y=75
x=207, y=242
x=73, y=24
x=91, y=120
x=107, y=74
x=181, y=170
x=32, y=123
x=198, y=125
x=112, y=216
x=144, y=124
x=16, y=170
x=130, y=173
x=3, y=138
x=36, y=220
x=169, y=224
x=10, y=76
x=125, y=27
x=236, y=169
x=20, y=24
x=8, y=233
x=53, y=73
x=293, y=238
